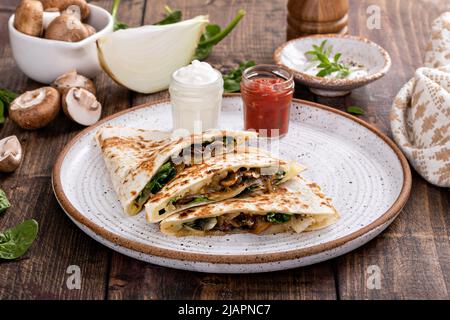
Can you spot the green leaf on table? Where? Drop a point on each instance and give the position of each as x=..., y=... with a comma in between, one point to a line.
x=6, y=97
x=213, y=35
x=355, y=110
x=203, y=50
x=232, y=80
x=117, y=24
x=2, y=112
x=14, y=242
x=4, y=202
x=120, y=26
x=172, y=16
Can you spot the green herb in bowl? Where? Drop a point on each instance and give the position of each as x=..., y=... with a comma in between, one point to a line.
x=326, y=66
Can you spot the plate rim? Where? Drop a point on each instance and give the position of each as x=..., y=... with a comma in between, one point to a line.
x=69, y=209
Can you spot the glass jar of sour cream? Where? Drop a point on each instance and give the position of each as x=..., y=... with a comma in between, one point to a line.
x=196, y=96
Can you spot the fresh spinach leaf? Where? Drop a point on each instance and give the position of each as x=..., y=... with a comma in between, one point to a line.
x=2, y=112
x=172, y=16
x=6, y=97
x=164, y=175
x=203, y=51
x=213, y=35
x=232, y=80
x=117, y=24
x=4, y=203
x=15, y=242
x=278, y=217
x=355, y=110
x=161, y=178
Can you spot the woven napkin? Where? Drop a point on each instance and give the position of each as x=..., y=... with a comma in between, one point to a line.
x=420, y=115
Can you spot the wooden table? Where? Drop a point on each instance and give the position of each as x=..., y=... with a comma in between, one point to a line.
x=413, y=253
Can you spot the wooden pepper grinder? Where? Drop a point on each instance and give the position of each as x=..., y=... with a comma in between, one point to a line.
x=316, y=16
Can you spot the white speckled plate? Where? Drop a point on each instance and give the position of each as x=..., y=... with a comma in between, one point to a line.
x=361, y=169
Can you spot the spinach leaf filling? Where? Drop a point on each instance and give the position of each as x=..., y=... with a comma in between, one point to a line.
x=278, y=217
x=166, y=173
x=199, y=200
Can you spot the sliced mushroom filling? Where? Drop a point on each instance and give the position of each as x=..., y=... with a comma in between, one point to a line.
x=229, y=184
x=256, y=224
x=187, y=157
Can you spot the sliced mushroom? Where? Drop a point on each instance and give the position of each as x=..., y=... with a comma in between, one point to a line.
x=62, y=5
x=66, y=27
x=10, y=154
x=81, y=106
x=35, y=109
x=72, y=79
x=49, y=16
x=29, y=17
x=231, y=179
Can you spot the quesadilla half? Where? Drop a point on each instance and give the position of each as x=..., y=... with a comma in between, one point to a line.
x=220, y=178
x=142, y=162
x=297, y=206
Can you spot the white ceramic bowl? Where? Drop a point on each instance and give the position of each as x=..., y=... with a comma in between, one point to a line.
x=43, y=60
x=358, y=50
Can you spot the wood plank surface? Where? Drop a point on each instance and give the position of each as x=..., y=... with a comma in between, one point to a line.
x=413, y=254
x=41, y=273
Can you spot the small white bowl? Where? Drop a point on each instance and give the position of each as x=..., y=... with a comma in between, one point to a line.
x=359, y=50
x=43, y=60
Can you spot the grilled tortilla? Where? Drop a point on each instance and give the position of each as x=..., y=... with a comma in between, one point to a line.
x=142, y=162
x=220, y=178
x=297, y=205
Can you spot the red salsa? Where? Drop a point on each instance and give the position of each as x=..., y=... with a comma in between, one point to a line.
x=267, y=96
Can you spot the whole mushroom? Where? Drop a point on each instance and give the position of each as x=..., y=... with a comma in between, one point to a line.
x=62, y=5
x=29, y=18
x=66, y=27
x=10, y=154
x=72, y=79
x=81, y=106
x=35, y=109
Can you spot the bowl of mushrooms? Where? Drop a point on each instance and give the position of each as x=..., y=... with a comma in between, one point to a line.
x=51, y=37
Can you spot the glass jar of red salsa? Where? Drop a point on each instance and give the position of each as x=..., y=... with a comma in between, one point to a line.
x=267, y=92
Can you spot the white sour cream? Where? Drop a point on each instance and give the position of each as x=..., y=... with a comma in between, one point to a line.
x=199, y=73
x=196, y=97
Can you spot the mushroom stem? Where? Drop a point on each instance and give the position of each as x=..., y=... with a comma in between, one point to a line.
x=10, y=154
x=73, y=80
x=81, y=106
